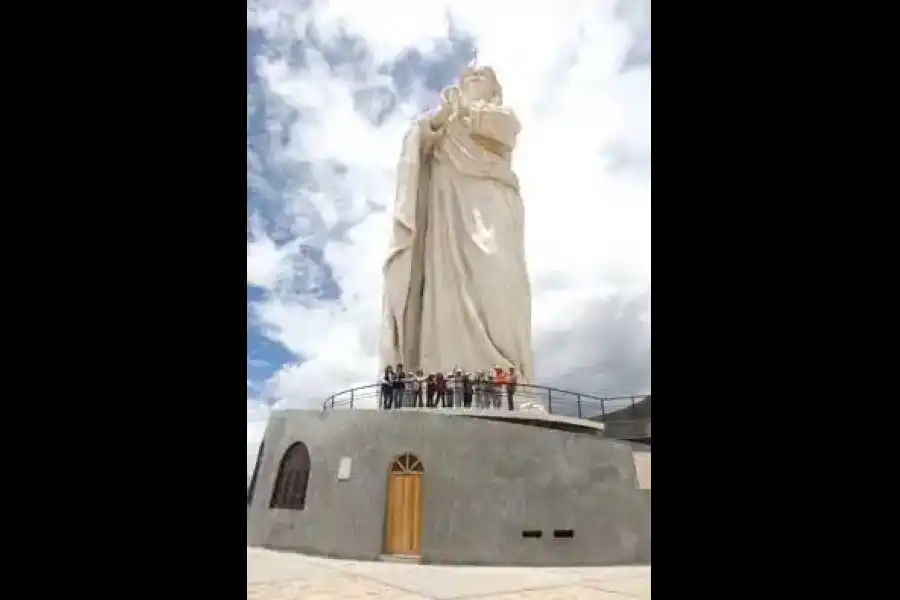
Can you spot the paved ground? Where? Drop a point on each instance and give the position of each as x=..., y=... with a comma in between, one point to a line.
x=287, y=576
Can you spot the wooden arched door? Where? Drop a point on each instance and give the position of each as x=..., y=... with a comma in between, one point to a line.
x=403, y=527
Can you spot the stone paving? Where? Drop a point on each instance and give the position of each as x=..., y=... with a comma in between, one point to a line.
x=288, y=576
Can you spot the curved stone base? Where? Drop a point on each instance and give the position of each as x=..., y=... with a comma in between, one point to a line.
x=485, y=482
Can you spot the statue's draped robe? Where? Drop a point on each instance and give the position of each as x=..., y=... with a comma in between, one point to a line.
x=456, y=289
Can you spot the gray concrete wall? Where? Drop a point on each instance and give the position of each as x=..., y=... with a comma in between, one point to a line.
x=628, y=430
x=640, y=410
x=484, y=482
x=632, y=422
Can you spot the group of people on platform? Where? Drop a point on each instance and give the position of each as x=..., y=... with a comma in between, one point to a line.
x=454, y=389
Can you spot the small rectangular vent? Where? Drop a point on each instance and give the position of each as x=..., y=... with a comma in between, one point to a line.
x=564, y=533
x=532, y=533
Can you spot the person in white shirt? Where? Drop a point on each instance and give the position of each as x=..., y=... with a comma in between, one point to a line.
x=459, y=388
x=410, y=390
x=480, y=393
x=451, y=387
x=419, y=388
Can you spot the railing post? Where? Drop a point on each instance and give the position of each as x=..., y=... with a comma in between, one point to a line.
x=351, y=399
x=550, y=401
x=578, y=402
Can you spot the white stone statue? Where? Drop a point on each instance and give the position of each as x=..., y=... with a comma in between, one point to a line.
x=456, y=289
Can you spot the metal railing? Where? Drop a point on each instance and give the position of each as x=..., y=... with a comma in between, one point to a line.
x=553, y=400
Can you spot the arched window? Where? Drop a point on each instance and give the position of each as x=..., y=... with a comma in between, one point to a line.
x=252, y=488
x=292, y=479
x=406, y=463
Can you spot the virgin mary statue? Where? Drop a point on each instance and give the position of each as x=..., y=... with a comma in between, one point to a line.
x=456, y=289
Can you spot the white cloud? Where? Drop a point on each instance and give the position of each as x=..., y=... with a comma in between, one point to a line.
x=587, y=207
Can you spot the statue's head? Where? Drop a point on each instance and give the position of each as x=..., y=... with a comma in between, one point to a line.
x=480, y=84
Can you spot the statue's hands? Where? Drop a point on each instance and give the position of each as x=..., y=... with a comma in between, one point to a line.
x=449, y=104
x=450, y=98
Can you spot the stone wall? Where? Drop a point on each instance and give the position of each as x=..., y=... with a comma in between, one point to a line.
x=484, y=483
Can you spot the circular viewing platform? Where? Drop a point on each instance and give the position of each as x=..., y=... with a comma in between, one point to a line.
x=623, y=417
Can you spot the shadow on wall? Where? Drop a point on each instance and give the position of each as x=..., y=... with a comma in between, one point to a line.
x=251, y=487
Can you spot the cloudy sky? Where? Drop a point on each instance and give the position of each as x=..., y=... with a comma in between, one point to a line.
x=331, y=87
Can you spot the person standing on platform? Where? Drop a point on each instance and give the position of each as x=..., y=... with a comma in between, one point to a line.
x=468, y=389
x=479, y=390
x=489, y=389
x=410, y=401
x=419, y=388
x=499, y=385
x=442, y=391
x=399, y=385
x=501, y=380
x=451, y=387
x=430, y=390
x=387, y=387
x=459, y=388
x=511, y=383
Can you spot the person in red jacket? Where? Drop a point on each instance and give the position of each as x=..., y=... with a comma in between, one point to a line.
x=511, y=380
x=499, y=385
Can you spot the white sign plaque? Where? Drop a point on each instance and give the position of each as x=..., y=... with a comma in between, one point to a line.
x=344, y=469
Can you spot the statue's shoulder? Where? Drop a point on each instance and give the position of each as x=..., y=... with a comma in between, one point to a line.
x=414, y=128
x=420, y=123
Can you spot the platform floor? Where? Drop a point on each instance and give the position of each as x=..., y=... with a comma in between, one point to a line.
x=288, y=576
